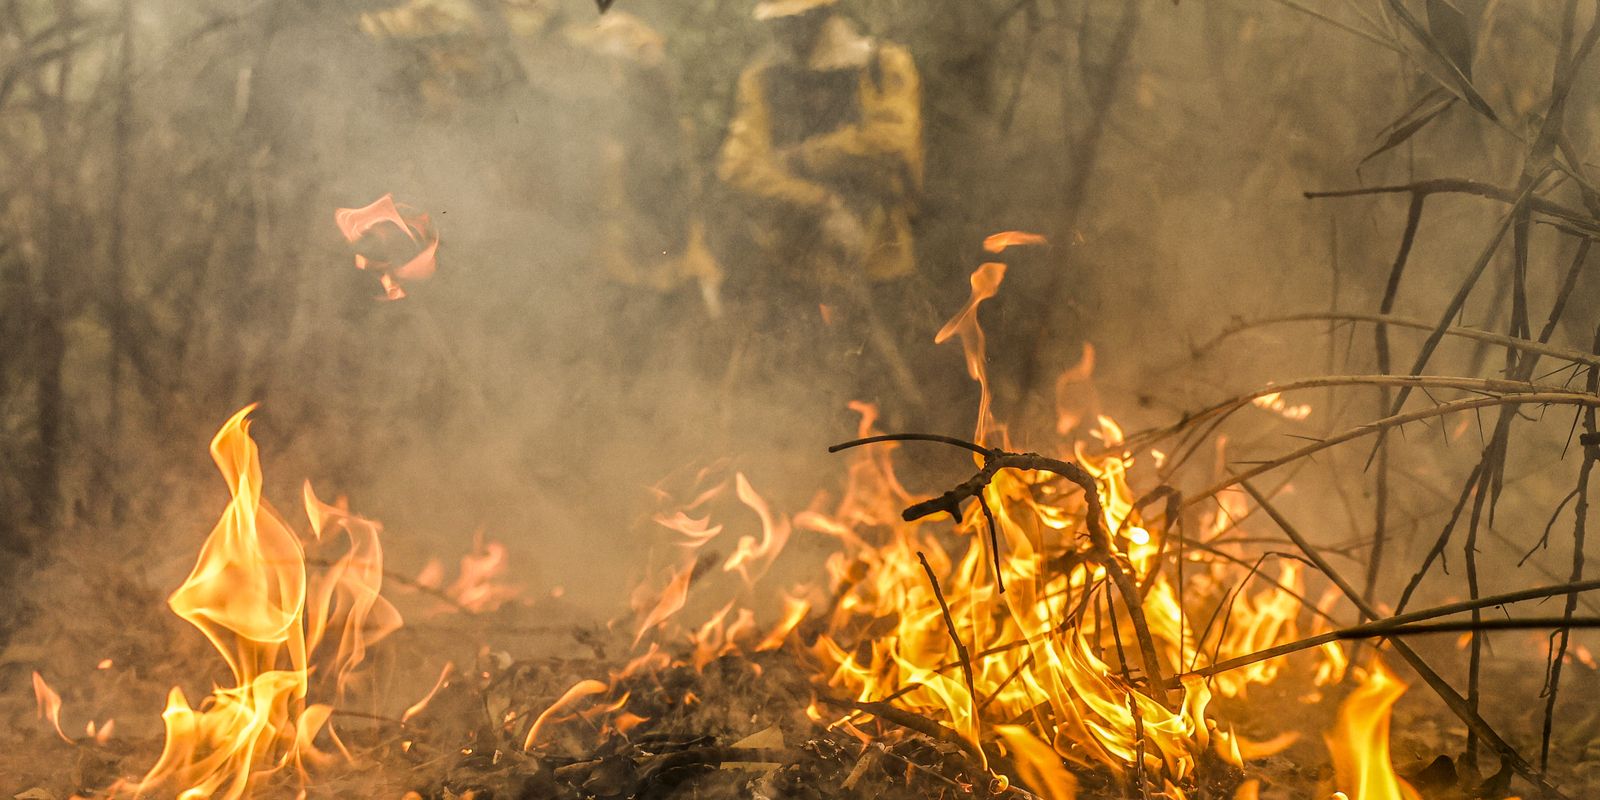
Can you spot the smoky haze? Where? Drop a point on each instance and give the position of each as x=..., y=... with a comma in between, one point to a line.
x=524, y=392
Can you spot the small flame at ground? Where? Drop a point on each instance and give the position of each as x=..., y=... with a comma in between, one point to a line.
x=1359, y=740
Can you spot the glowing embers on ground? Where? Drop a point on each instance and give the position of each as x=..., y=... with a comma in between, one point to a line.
x=287, y=635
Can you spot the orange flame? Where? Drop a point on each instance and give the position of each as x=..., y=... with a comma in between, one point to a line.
x=1359, y=740
x=1056, y=687
x=384, y=219
x=49, y=705
x=1039, y=764
x=670, y=601
x=422, y=705
x=251, y=595
x=998, y=242
x=579, y=690
x=985, y=282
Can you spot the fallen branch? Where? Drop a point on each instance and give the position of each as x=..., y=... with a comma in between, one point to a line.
x=1102, y=550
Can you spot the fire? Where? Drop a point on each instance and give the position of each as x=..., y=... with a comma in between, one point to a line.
x=49, y=705
x=579, y=690
x=273, y=622
x=997, y=243
x=1275, y=403
x=1075, y=681
x=381, y=225
x=985, y=284
x=1048, y=672
x=479, y=586
x=1359, y=740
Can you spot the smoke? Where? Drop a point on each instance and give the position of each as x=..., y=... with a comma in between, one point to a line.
x=524, y=392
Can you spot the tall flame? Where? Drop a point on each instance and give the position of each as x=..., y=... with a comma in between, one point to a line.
x=985, y=282
x=251, y=595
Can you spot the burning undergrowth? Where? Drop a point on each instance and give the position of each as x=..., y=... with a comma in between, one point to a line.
x=1042, y=629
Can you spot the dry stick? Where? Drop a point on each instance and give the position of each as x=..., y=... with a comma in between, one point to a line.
x=1304, y=644
x=1591, y=454
x=1133, y=705
x=1541, y=398
x=1456, y=303
x=955, y=638
x=907, y=720
x=1475, y=657
x=1222, y=409
x=1461, y=186
x=1490, y=475
x=1401, y=621
x=1469, y=626
x=994, y=542
x=1451, y=698
x=1102, y=550
x=1443, y=539
x=1566, y=354
x=1021, y=665
x=1381, y=340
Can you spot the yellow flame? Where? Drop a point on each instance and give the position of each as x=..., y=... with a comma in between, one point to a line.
x=1359, y=740
x=252, y=597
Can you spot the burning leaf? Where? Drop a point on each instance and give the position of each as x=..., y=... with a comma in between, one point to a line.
x=396, y=241
x=999, y=242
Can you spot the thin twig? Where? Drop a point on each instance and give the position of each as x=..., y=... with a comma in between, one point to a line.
x=1377, y=628
x=1367, y=429
x=1591, y=454
x=1566, y=354
x=1478, y=188
x=1457, y=704
x=955, y=638
x=1102, y=550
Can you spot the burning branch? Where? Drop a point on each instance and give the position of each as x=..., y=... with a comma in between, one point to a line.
x=1101, y=551
x=961, y=650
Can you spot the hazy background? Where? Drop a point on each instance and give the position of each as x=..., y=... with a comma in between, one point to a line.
x=168, y=254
